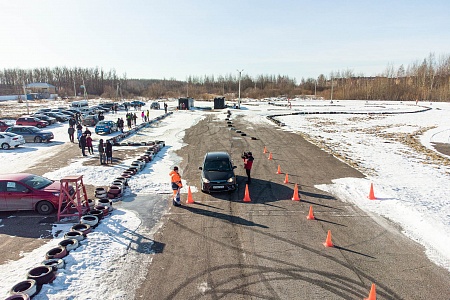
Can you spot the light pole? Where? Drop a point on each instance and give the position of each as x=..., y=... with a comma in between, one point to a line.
x=315, y=89
x=239, y=95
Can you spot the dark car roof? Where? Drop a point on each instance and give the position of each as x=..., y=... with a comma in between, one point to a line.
x=14, y=176
x=217, y=155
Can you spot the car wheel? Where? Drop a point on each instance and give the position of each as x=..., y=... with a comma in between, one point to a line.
x=44, y=208
x=39, y=126
x=38, y=139
x=5, y=146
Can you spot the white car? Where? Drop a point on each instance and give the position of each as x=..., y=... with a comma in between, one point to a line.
x=9, y=139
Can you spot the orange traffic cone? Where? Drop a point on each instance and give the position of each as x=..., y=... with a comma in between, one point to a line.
x=286, y=179
x=371, y=194
x=265, y=149
x=373, y=293
x=189, y=198
x=279, y=170
x=270, y=155
x=246, y=195
x=295, y=197
x=328, y=242
x=311, y=214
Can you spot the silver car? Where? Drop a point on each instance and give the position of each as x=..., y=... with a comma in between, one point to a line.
x=32, y=134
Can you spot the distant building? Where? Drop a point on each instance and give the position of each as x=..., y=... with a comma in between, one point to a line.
x=41, y=90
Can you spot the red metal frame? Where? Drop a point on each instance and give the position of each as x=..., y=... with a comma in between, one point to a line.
x=76, y=204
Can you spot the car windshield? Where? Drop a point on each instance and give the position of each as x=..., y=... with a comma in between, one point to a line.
x=37, y=182
x=217, y=165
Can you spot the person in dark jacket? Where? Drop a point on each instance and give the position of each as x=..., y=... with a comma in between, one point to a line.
x=71, y=132
x=101, y=152
x=82, y=143
x=248, y=163
x=108, y=151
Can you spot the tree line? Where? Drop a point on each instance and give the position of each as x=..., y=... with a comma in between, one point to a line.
x=426, y=80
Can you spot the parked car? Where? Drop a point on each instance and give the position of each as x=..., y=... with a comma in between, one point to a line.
x=9, y=139
x=155, y=105
x=58, y=116
x=106, y=127
x=24, y=191
x=49, y=120
x=32, y=134
x=89, y=120
x=217, y=173
x=40, y=111
x=3, y=126
x=31, y=121
x=137, y=103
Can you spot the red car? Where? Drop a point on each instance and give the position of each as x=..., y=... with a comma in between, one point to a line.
x=3, y=126
x=31, y=121
x=23, y=191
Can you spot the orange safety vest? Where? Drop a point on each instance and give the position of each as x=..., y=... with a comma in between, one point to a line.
x=175, y=177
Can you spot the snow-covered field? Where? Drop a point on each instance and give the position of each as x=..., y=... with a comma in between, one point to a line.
x=410, y=182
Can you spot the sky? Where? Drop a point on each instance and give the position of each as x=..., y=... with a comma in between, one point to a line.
x=410, y=190
x=177, y=38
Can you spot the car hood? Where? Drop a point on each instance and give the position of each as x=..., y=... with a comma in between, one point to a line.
x=217, y=175
x=54, y=187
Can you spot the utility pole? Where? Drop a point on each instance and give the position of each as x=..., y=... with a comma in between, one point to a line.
x=26, y=100
x=331, y=89
x=75, y=89
x=315, y=89
x=239, y=97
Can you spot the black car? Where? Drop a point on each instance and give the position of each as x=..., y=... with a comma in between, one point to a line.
x=50, y=120
x=217, y=173
x=58, y=116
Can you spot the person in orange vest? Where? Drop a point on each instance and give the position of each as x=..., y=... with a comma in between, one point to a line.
x=176, y=186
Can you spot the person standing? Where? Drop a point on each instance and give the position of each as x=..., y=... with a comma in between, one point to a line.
x=248, y=163
x=89, y=144
x=101, y=152
x=108, y=152
x=134, y=116
x=71, y=132
x=176, y=186
x=148, y=116
x=143, y=116
x=82, y=143
x=165, y=107
x=79, y=131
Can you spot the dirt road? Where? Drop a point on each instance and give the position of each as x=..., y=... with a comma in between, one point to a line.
x=223, y=248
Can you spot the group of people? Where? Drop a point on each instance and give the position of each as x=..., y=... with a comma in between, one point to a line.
x=176, y=183
x=85, y=141
x=131, y=119
x=145, y=116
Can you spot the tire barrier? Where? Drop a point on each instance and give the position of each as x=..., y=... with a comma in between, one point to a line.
x=27, y=287
x=69, y=244
x=100, y=192
x=90, y=219
x=83, y=228
x=55, y=263
x=74, y=234
x=42, y=274
x=18, y=296
x=57, y=252
x=97, y=213
x=104, y=209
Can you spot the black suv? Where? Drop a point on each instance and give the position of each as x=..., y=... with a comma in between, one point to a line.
x=218, y=173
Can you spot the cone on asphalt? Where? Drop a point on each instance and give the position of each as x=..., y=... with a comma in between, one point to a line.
x=265, y=149
x=286, y=179
x=246, y=195
x=295, y=197
x=189, y=200
x=270, y=155
x=279, y=170
x=373, y=293
x=371, y=194
x=311, y=214
x=328, y=242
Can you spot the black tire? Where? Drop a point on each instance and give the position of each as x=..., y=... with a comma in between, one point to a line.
x=5, y=146
x=42, y=274
x=39, y=126
x=44, y=207
x=38, y=139
x=18, y=296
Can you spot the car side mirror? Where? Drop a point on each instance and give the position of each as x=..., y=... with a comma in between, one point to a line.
x=200, y=168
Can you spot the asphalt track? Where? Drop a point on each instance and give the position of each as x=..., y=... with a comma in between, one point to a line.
x=224, y=248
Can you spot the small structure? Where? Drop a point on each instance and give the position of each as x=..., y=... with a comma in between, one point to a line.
x=219, y=102
x=185, y=103
x=41, y=90
x=75, y=204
